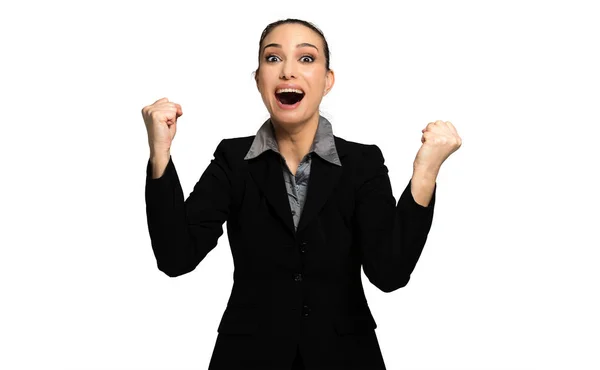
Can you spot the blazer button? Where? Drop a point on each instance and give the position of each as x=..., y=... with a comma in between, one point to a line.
x=298, y=277
x=303, y=247
x=305, y=311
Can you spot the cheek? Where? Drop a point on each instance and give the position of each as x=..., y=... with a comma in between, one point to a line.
x=264, y=88
x=316, y=82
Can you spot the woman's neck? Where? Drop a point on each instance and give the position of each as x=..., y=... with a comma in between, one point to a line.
x=295, y=141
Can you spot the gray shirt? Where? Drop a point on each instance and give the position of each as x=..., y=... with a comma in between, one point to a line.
x=323, y=145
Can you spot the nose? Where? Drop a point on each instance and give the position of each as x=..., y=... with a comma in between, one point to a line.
x=287, y=70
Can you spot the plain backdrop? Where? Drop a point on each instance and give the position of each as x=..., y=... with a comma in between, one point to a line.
x=509, y=275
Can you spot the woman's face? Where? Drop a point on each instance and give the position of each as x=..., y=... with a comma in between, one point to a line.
x=292, y=54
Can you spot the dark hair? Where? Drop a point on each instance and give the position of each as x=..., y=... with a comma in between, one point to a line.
x=271, y=26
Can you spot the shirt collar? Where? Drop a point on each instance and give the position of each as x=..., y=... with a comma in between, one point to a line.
x=323, y=144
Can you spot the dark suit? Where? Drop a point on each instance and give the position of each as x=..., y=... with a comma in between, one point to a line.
x=292, y=287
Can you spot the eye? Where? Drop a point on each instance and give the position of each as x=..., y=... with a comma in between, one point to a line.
x=268, y=58
x=310, y=57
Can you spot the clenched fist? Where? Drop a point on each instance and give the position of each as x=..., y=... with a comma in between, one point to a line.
x=439, y=139
x=160, y=118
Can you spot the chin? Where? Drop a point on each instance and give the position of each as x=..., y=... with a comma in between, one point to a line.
x=299, y=114
x=284, y=117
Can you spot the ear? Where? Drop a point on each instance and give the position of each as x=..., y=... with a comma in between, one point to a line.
x=329, y=81
x=256, y=79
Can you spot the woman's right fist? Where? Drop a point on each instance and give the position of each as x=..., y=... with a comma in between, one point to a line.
x=160, y=119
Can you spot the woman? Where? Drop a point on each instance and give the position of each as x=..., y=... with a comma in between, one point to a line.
x=297, y=300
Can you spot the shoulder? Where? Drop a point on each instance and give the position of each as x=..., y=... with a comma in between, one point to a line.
x=235, y=145
x=233, y=150
x=361, y=152
x=367, y=161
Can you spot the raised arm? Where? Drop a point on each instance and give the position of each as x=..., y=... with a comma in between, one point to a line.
x=391, y=235
x=184, y=232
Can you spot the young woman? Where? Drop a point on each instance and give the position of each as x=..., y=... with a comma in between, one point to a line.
x=305, y=210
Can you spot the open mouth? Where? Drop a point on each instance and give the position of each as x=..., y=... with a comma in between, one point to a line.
x=289, y=98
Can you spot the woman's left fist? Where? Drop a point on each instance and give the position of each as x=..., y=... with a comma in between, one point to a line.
x=439, y=139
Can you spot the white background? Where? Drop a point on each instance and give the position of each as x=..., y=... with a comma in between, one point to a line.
x=509, y=275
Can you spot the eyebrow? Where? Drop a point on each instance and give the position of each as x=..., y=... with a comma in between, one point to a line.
x=298, y=46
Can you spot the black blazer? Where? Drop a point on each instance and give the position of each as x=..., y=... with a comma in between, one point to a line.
x=292, y=287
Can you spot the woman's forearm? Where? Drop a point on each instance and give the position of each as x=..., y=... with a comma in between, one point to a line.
x=423, y=183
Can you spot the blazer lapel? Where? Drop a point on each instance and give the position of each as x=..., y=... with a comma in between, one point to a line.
x=266, y=171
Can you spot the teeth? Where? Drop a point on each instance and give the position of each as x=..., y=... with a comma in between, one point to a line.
x=279, y=91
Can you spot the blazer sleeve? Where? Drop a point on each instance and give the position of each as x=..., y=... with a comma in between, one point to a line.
x=390, y=236
x=182, y=232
